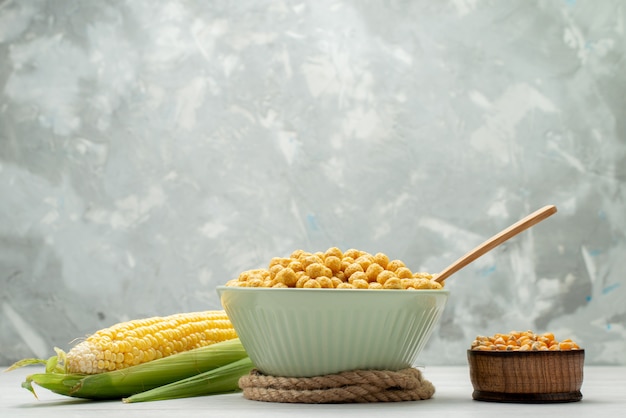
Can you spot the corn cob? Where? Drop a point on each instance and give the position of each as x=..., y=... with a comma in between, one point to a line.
x=139, y=341
x=135, y=356
x=123, y=383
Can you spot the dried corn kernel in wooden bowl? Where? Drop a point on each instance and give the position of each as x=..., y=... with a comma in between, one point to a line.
x=334, y=269
x=526, y=367
x=522, y=341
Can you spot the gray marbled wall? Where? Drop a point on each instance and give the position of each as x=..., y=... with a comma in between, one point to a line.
x=150, y=151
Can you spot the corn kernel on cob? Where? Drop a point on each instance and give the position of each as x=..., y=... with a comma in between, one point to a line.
x=139, y=341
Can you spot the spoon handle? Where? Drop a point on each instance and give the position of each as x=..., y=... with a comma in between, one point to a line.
x=499, y=238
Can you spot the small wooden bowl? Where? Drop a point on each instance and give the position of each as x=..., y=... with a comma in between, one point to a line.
x=526, y=376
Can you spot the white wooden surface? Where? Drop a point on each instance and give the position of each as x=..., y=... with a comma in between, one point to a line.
x=604, y=394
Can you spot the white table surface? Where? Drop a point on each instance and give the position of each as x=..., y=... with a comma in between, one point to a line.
x=604, y=394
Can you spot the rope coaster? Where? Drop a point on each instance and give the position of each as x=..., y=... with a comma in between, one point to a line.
x=345, y=387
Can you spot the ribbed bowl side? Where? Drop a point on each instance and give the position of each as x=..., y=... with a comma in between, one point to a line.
x=333, y=333
x=421, y=330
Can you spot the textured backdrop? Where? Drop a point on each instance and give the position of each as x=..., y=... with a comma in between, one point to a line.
x=151, y=151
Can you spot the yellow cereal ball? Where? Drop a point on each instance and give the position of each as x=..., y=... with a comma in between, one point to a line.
x=393, y=283
x=287, y=277
x=320, y=255
x=406, y=283
x=381, y=259
x=360, y=284
x=310, y=259
x=336, y=281
x=419, y=283
x=375, y=286
x=393, y=265
x=325, y=282
x=404, y=273
x=254, y=275
x=232, y=282
x=344, y=285
x=351, y=269
x=341, y=276
x=312, y=284
x=255, y=282
x=384, y=276
x=333, y=262
x=269, y=282
x=352, y=253
x=275, y=269
x=296, y=266
x=279, y=261
x=318, y=270
x=302, y=280
x=427, y=284
x=348, y=260
x=280, y=285
x=365, y=261
x=335, y=252
x=357, y=275
x=373, y=271
x=434, y=285
x=422, y=275
x=297, y=254
x=241, y=284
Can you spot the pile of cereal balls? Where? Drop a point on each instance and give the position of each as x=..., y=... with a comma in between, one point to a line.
x=334, y=269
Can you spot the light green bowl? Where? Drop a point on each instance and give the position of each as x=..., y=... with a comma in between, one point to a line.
x=313, y=332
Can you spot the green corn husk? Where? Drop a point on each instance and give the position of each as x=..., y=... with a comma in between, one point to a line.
x=221, y=380
x=55, y=382
x=136, y=379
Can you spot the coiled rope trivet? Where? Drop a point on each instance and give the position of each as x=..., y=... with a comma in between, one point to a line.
x=345, y=387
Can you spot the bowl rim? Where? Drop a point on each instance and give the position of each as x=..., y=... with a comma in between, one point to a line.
x=324, y=290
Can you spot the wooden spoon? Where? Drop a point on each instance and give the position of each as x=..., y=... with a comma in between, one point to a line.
x=493, y=242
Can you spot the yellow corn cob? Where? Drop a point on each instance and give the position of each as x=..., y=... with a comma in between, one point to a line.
x=139, y=341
